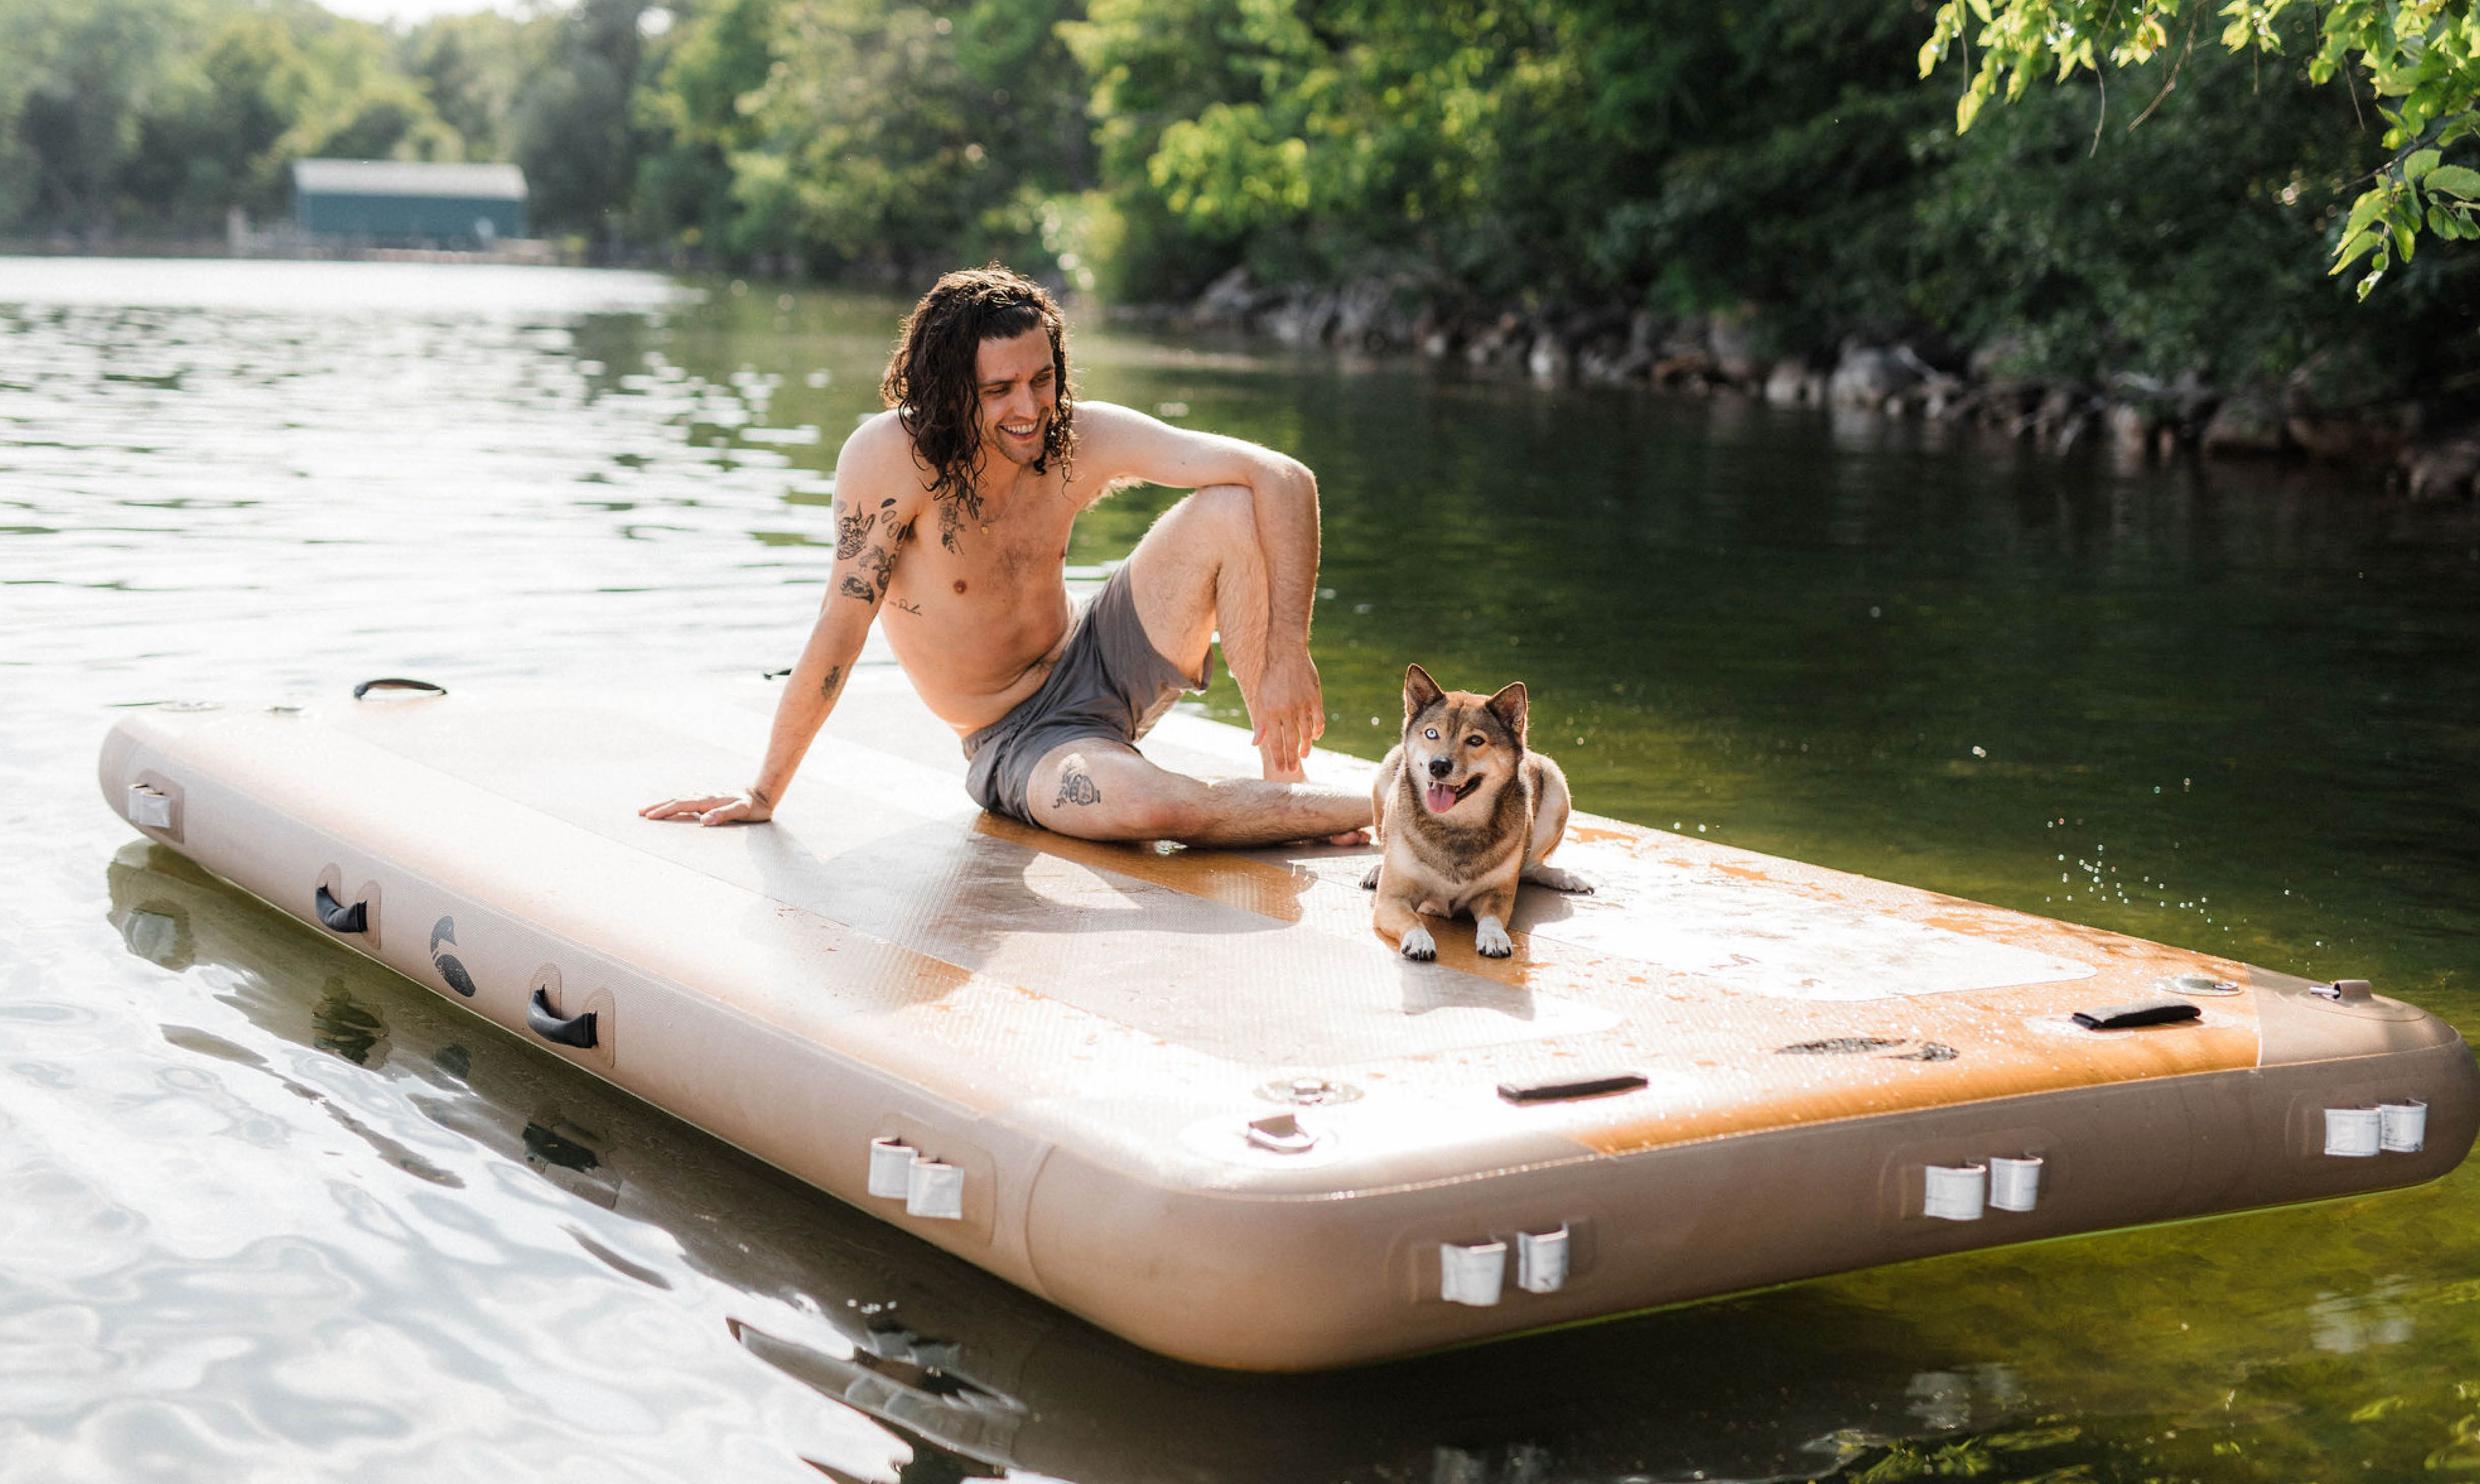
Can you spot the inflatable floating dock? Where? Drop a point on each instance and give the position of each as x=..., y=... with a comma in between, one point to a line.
x=1192, y=1097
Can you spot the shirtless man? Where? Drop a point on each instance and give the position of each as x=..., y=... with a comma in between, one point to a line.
x=952, y=507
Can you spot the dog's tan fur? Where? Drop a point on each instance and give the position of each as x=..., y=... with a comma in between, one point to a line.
x=1508, y=814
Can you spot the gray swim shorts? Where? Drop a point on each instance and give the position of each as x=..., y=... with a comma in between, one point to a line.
x=1110, y=682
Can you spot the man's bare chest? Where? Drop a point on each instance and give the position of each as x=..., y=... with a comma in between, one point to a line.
x=963, y=560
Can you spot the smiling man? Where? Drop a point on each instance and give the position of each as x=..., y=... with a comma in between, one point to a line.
x=952, y=512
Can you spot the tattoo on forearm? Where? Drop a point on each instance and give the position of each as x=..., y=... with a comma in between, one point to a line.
x=1075, y=788
x=827, y=686
x=850, y=528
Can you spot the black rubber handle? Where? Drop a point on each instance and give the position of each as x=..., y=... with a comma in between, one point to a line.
x=545, y=1022
x=2164, y=1011
x=369, y=686
x=340, y=918
x=1569, y=1092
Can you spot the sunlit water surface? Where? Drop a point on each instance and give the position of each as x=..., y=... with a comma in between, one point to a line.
x=267, y=1211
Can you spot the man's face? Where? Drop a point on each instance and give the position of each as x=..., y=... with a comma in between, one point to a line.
x=1019, y=394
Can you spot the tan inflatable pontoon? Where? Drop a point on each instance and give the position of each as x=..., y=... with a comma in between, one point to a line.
x=1192, y=1097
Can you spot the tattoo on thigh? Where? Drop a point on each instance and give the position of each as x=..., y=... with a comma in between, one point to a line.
x=1075, y=788
x=827, y=686
x=850, y=528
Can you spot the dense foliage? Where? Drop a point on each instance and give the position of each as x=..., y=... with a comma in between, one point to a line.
x=2422, y=58
x=1775, y=160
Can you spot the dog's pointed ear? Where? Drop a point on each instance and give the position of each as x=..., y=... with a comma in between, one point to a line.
x=1419, y=690
x=1509, y=706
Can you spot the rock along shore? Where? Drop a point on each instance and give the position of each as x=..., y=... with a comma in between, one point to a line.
x=2137, y=417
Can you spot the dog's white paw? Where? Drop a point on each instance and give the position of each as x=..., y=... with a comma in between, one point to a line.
x=1369, y=883
x=1560, y=879
x=1417, y=945
x=1492, y=941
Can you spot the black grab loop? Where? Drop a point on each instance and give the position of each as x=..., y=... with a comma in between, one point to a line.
x=340, y=918
x=2163, y=1011
x=543, y=1021
x=368, y=686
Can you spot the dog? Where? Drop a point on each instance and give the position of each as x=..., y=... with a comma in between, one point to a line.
x=1462, y=812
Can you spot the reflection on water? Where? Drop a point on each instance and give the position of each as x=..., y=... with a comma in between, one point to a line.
x=266, y=1211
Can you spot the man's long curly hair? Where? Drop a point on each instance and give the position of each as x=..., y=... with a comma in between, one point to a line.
x=930, y=379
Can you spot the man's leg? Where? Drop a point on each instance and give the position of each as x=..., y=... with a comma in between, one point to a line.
x=1199, y=571
x=1099, y=788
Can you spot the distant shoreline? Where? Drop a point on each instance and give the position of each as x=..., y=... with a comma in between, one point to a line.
x=283, y=247
x=2407, y=448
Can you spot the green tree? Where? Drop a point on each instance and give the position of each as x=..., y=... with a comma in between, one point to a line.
x=1586, y=148
x=210, y=135
x=691, y=109
x=79, y=78
x=862, y=135
x=2418, y=59
x=574, y=126
x=471, y=69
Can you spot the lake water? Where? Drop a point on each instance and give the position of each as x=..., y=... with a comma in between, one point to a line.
x=268, y=1212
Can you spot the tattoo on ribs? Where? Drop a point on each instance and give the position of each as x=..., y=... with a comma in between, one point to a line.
x=1074, y=788
x=849, y=531
x=915, y=609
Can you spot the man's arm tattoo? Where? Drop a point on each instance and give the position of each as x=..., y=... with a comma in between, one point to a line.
x=870, y=583
x=1075, y=788
x=850, y=528
x=827, y=686
x=878, y=563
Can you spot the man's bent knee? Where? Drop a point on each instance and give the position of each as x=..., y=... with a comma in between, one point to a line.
x=1229, y=512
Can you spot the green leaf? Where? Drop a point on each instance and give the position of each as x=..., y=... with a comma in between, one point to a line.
x=2454, y=180
x=2353, y=248
x=2367, y=209
x=2406, y=234
x=2419, y=163
x=2442, y=223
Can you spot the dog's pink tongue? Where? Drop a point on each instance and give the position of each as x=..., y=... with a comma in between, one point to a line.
x=1440, y=798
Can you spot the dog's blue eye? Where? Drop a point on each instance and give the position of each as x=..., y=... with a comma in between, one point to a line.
x=1431, y=734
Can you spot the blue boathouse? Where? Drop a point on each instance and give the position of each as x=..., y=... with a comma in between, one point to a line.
x=409, y=200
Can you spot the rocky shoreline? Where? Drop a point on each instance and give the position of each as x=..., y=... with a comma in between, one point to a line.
x=2418, y=457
